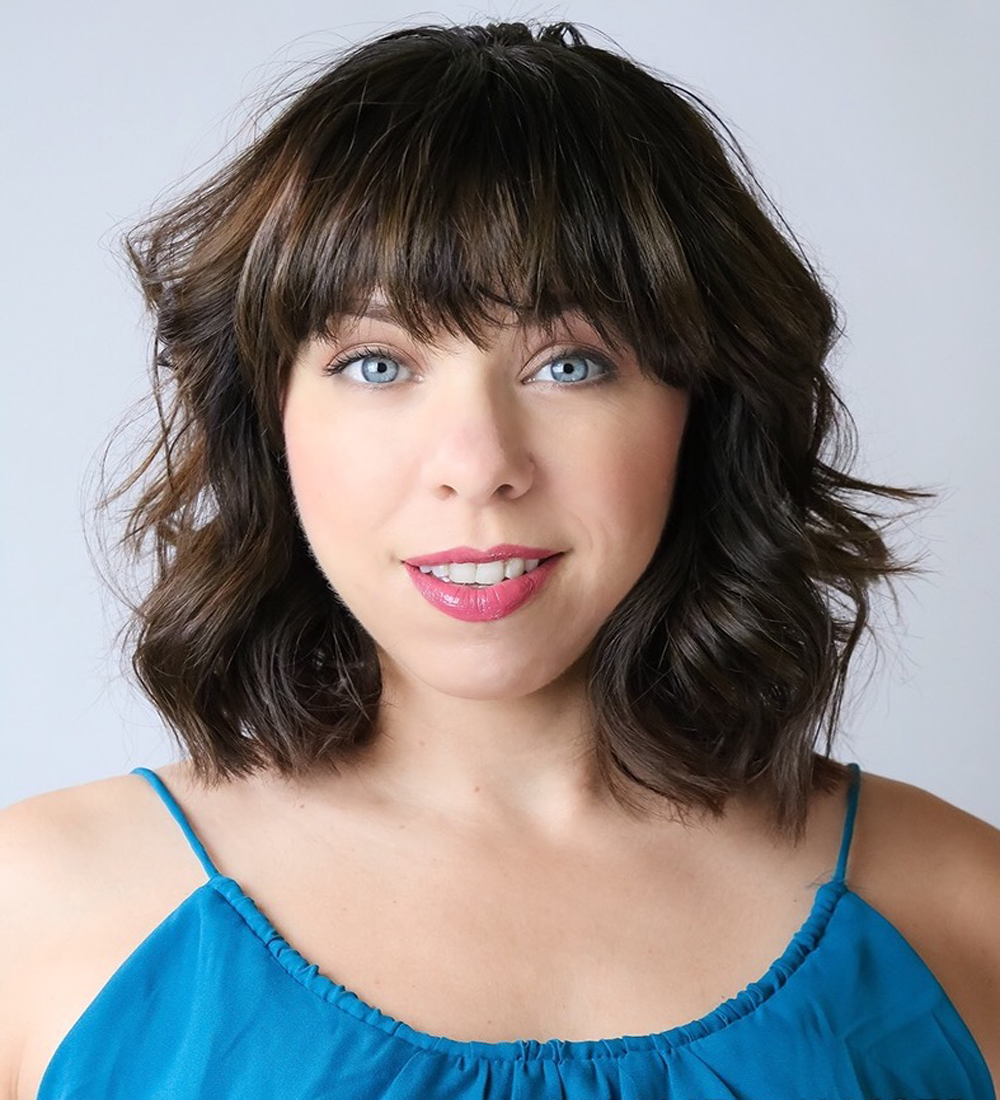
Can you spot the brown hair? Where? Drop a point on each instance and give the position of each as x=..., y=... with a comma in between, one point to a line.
x=458, y=168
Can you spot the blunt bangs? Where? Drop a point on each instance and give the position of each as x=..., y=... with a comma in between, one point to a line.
x=475, y=181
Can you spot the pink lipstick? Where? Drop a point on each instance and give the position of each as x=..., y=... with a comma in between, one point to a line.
x=487, y=604
x=495, y=553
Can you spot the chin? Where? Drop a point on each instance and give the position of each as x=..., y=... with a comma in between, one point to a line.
x=477, y=676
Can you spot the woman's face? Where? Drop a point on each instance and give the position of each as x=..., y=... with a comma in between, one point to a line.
x=547, y=441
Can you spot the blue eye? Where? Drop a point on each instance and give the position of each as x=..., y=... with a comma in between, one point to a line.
x=567, y=368
x=378, y=366
x=375, y=364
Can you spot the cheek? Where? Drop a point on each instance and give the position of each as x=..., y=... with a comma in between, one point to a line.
x=327, y=487
x=633, y=466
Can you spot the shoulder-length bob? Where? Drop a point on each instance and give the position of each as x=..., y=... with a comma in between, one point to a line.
x=457, y=169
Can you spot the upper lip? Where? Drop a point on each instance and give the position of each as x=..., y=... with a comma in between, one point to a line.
x=494, y=553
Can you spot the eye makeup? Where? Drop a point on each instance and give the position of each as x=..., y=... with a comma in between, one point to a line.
x=608, y=370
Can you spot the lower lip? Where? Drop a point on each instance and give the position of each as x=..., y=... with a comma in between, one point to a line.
x=478, y=605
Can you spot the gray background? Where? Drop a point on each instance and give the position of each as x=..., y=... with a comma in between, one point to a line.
x=870, y=122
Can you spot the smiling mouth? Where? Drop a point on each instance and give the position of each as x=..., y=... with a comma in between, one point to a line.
x=526, y=569
x=476, y=602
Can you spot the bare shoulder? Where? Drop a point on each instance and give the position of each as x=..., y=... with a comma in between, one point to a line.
x=58, y=847
x=76, y=896
x=908, y=840
x=933, y=871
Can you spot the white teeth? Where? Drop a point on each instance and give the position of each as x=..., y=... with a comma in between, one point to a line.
x=489, y=572
x=482, y=573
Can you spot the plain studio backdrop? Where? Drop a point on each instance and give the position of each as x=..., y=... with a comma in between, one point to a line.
x=871, y=123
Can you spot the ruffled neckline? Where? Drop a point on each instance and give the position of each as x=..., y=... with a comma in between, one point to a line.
x=748, y=1000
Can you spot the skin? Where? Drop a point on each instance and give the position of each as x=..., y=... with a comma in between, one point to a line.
x=448, y=875
x=476, y=447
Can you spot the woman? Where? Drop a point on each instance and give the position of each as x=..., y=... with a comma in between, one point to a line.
x=505, y=590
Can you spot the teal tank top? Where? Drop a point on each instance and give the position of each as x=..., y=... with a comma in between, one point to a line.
x=215, y=1003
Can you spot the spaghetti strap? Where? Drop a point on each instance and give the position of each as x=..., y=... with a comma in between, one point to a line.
x=170, y=802
x=852, y=807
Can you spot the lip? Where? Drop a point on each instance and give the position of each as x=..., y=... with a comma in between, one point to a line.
x=468, y=554
x=476, y=605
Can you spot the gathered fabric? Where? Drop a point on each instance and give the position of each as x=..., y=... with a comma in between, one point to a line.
x=216, y=1003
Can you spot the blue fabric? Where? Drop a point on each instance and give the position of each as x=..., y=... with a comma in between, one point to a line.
x=214, y=1003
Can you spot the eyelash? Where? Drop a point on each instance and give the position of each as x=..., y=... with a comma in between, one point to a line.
x=609, y=371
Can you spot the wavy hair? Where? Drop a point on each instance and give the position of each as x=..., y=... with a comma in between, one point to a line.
x=458, y=169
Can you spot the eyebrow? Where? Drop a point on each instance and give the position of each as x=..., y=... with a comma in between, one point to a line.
x=349, y=319
x=377, y=312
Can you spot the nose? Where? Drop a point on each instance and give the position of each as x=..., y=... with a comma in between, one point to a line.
x=476, y=442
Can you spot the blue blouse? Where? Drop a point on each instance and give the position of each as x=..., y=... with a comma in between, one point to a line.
x=216, y=1003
